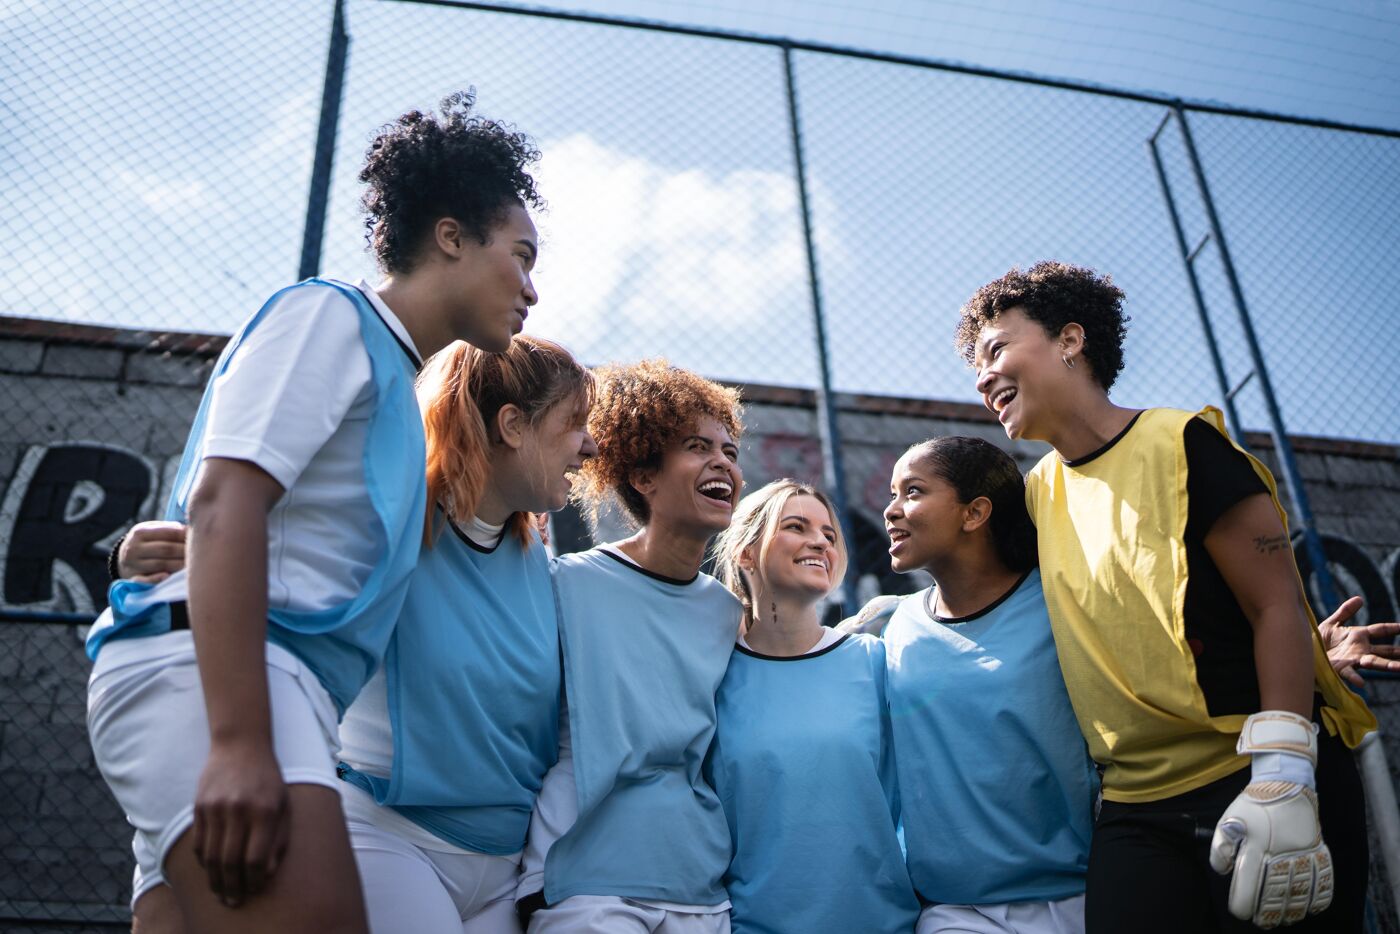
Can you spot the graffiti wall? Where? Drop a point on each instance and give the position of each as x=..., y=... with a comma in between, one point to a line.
x=93, y=423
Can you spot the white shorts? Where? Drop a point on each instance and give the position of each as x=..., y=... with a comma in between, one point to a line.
x=150, y=735
x=414, y=882
x=1065, y=916
x=609, y=914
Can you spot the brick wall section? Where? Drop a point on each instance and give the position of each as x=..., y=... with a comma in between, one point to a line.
x=63, y=841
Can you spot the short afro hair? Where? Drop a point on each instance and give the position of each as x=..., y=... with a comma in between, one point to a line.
x=422, y=168
x=639, y=410
x=1053, y=295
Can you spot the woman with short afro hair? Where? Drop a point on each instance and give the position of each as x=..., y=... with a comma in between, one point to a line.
x=627, y=834
x=216, y=691
x=1193, y=662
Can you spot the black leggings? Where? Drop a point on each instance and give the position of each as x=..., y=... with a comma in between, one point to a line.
x=1149, y=864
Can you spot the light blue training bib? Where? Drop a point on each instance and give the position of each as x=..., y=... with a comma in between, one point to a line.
x=643, y=657
x=342, y=644
x=803, y=764
x=996, y=783
x=473, y=676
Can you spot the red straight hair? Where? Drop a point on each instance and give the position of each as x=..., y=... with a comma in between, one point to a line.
x=461, y=390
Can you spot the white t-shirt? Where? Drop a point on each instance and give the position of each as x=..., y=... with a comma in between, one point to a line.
x=296, y=400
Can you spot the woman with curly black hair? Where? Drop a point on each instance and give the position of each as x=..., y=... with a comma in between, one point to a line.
x=1183, y=632
x=214, y=700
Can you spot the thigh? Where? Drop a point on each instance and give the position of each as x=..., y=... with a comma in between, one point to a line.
x=1063, y=916
x=316, y=889
x=403, y=891
x=157, y=912
x=150, y=739
x=482, y=887
x=596, y=914
x=956, y=919
x=498, y=917
x=1144, y=874
x=686, y=922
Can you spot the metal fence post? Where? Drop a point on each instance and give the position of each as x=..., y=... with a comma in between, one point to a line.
x=315, y=227
x=833, y=469
x=1188, y=259
x=1293, y=480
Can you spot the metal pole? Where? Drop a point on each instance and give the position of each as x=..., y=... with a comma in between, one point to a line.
x=1380, y=803
x=1187, y=260
x=834, y=473
x=325, y=146
x=1293, y=480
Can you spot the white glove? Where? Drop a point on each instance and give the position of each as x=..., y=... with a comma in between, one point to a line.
x=1269, y=835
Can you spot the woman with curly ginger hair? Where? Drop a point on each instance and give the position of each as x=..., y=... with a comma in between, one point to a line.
x=627, y=835
x=1192, y=659
x=214, y=701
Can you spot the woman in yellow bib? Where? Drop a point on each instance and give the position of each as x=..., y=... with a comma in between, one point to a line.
x=1193, y=662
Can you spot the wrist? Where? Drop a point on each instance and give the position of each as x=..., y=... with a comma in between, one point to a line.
x=1282, y=746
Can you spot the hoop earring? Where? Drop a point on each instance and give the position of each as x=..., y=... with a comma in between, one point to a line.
x=1069, y=361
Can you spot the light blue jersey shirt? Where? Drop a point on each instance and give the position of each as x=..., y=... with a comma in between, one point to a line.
x=473, y=677
x=341, y=644
x=643, y=657
x=804, y=767
x=996, y=783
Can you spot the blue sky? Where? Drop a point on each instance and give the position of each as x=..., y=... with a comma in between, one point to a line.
x=156, y=160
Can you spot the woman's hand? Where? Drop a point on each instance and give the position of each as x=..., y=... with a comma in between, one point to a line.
x=241, y=820
x=1351, y=647
x=151, y=552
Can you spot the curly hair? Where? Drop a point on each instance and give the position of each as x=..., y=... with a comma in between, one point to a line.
x=973, y=468
x=422, y=168
x=639, y=410
x=1053, y=295
x=462, y=389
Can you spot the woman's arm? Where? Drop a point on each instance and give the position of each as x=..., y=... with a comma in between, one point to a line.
x=240, y=816
x=1251, y=549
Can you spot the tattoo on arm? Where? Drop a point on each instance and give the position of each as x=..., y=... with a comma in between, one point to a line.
x=1268, y=544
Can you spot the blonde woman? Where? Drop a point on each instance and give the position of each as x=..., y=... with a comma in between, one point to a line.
x=802, y=759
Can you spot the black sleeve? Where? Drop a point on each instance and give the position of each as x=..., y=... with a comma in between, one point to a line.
x=1217, y=477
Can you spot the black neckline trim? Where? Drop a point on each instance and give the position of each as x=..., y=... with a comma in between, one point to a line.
x=792, y=658
x=1106, y=445
x=1080, y=461
x=468, y=539
x=627, y=563
x=955, y=620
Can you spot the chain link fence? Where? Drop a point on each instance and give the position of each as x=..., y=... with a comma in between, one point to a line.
x=158, y=171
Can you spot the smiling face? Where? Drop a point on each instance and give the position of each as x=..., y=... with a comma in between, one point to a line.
x=698, y=482
x=1021, y=372
x=924, y=518
x=800, y=557
x=554, y=447
x=491, y=282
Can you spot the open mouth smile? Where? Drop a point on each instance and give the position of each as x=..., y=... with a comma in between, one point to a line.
x=721, y=491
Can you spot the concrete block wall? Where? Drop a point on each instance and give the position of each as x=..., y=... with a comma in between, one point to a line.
x=92, y=421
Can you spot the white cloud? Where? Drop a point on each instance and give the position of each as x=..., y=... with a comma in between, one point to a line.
x=640, y=259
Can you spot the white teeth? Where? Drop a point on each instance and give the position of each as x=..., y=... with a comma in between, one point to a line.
x=813, y=563
x=1003, y=398
x=717, y=485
